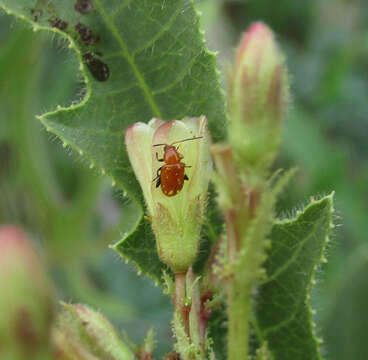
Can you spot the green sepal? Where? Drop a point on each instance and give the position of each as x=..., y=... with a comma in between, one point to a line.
x=82, y=330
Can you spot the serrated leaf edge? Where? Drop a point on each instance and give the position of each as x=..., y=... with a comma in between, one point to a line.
x=302, y=243
x=127, y=259
x=72, y=45
x=300, y=213
x=261, y=334
x=82, y=68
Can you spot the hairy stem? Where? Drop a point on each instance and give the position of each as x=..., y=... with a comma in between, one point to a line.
x=239, y=308
x=238, y=297
x=179, y=299
x=238, y=207
x=197, y=327
x=190, y=328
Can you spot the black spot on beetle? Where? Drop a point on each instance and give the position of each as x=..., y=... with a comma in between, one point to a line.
x=86, y=34
x=83, y=6
x=58, y=23
x=36, y=13
x=98, y=69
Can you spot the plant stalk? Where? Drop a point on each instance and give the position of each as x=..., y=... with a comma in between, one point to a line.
x=179, y=299
x=238, y=209
x=190, y=328
x=238, y=297
x=239, y=308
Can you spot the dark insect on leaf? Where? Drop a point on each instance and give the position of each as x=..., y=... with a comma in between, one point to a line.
x=98, y=69
x=83, y=6
x=86, y=34
x=58, y=23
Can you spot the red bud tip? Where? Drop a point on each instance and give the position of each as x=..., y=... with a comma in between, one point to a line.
x=256, y=32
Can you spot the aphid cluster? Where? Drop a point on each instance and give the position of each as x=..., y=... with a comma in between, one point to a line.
x=171, y=176
x=86, y=37
x=58, y=23
x=86, y=34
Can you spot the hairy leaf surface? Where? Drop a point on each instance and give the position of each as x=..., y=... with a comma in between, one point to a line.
x=139, y=59
x=283, y=311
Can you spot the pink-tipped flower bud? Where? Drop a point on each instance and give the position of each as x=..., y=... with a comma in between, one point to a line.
x=83, y=333
x=258, y=100
x=173, y=165
x=26, y=299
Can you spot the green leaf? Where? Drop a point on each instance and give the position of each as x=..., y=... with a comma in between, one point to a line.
x=283, y=315
x=218, y=332
x=158, y=66
x=140, y=248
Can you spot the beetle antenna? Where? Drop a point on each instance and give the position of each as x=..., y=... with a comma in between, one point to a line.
x=180, y=141
x=193, y=138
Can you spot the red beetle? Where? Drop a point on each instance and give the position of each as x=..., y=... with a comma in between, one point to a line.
x=171, y=176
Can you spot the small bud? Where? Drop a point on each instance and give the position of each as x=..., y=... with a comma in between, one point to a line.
x=259, y=96
x=83, y=333
x=145, y=351
x=177, y=219
x=26, y=299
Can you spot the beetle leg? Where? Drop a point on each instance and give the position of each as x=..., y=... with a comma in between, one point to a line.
x=158, y=158
x=188, y=166
x=158, y=173
x=158, y=182
x=186, y=177
x=180, y=155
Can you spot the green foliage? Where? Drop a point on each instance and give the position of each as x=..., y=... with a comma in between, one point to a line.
x=139, y=247
x=326, y=130
x=283, y=310
x=144, y=82
x=325, y=136
x=283, y=317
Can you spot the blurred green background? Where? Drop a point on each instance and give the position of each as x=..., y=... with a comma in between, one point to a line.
x=73, y=213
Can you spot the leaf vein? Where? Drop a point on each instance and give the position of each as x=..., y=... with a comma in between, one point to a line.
x=163, y=30
x=125, y=53
x=180, y=77
x=295, y=255
x=121, y=8
x=285, y=321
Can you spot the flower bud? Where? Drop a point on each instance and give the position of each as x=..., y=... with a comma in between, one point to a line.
x=258, y=100
x=26, y=299
x=176, y=220
x=83, y=333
